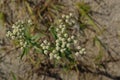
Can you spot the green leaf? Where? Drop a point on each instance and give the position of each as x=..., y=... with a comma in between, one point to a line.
x=25, y=51
x=52, y=30
x=2, y=18
x=27, y=31
x=38, y=49
x=13, y=75
x=37, y=36
x=84, y=11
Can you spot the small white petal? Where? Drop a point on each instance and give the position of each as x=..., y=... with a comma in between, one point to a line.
x=42, y=45
x=57, y=41
x=51, y=56
x=57, y=30
x=63, y=16
x=47, y=47
x=68, y=45
x=62, y=50
x=72, y=37
x=54, y=51
x=78, y=47
x=45, y=52
x=58, y=35
x=57, y=44
x=77, y=53
x=48, y=44
x=69, y=39
x=66, y=35
x=63, y=45
x=45, y=41
x=55, y=56
x=83, y=49
x=58, y=57
x=75, y=41
x=71, y=14
x=67, y=16
x=81, y=52
x=57, y=48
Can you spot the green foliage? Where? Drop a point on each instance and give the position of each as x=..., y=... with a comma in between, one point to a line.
x=84, y=12
x=13, y=75
x=2, y=18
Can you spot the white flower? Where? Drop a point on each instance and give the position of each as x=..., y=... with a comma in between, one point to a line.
x=83, y=49
x=79, y=47
x=63, y=30
x=81, y=52
x=54, y=51
x=63, y=16
x=20, y=36
x=45, y=52
x=67, y=21
x=84, y=52
x=58, y=35
x=14, y=31
x=55, y=55
x=57, y=48
x=9, y=34
x=13, y=37
x=21, y=42
x=67, y=16
x=21, y=48
x=69, y=39
x=60, y=26
x=13, y=26
x=62, y=50
x=57, y=44
x=68, y=45
x=63, y=39
x=42, y=45
x=63, y=45
x=58, y=57
x=24, y=45
x=66, y=35
x=45, y=41
x=47, y=47
x=59, y=20
x=29, y=21
x=51, y=56
x=57, y=41
x=70, y=14
x=77, y=54
x=57, y=30
x=75, y=41
x=72, y=37
x=48, y=44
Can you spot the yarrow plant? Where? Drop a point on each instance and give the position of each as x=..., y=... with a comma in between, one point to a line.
x=18, y=33
x=63, y=44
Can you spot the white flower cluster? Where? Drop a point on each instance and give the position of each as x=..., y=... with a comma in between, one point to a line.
x=18, y=33
x=45, y=47
x=62, y=43
x=80, y=51
x=65, y=42
x=69, y=19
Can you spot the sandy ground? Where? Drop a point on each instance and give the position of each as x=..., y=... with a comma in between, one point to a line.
x=106, y=13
